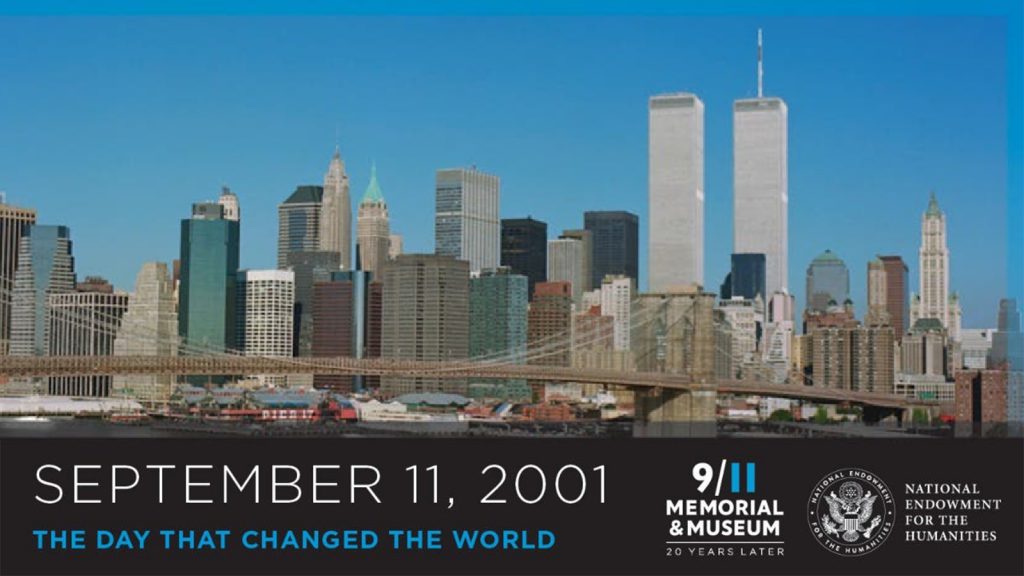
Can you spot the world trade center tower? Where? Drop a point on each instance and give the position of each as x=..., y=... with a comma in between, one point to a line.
x=760, y=183
x=676, y=191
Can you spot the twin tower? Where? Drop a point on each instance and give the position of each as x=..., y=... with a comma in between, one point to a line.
x=676, y=187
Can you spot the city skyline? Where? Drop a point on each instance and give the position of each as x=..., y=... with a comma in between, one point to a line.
x=977, y=269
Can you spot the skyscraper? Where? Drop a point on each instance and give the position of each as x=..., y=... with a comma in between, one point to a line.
x=566, y=263
x=897, y=294
x=524, y=249
x=878, y=294
x=828, y=282
x=587, y=239
x=426, y=317
x=265, y=315
x=336, y=212
x=209, y=268
x=676, y=191
x=615, y=239
x=341, y=324
x=466, y=224
x=497, y=328
x=309, y=268
x=299, y=223
x=14, y=224
x=84, y=323
x=617, y=301
x=549, y=328
x=1007, y=341
x=374, y=231
x=45, y=267
x=747, y=276
x=933, y=298
x=760, y=182
x=149, y=327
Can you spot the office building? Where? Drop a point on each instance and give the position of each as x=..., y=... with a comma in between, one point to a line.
x=149, y=327
x=761, y=181
x=14, y=224
x=426, y=317
x=828, y=282
x=615, y=244
x=207, y=294
x=266, y=300
x=341, y=318
x=1007, y=341
x=298, y=227
x=549, y=327
x=45, y=267
x=309, y=268
x=742, y=320
x=587, y=240
x=897, y=294
x=497, y=328
x=336, y=212
x=84, y=323
x=923, y=350
x=373, y=241
x=567, y=263
x=675, y=191
x=878, y=295
x=524, y=249
x=617, y=302
x=747, y=277
x=466, y=222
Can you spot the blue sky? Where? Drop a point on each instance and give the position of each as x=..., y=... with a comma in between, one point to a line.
x=115, y=125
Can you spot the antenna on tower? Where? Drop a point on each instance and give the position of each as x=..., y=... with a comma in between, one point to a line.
x=760, y=66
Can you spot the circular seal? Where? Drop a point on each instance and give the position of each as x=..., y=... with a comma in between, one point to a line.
x=850, y=512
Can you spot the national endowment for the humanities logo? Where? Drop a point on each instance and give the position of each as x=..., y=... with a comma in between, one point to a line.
x=851, y=512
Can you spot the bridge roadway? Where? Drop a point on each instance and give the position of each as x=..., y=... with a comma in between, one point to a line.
x=43, y=366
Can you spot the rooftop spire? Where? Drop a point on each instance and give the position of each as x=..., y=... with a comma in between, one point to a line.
x=933, y=206
x=373, y=193
x=760, y=65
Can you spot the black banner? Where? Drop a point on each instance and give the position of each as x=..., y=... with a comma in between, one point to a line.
x=504, y=506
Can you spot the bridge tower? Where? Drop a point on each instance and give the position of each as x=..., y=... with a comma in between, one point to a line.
x=680, y=340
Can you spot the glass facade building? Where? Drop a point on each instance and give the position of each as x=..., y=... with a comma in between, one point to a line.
x=497, y=328
x=309, y=268
x=45, y=267
x=524, y=249
x=747, y=276
x=207, y=294
x=828, y=281
x=298, y=223
x=14, y=224
x=615, y=237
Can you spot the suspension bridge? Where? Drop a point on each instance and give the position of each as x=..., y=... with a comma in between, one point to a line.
x=670, y=367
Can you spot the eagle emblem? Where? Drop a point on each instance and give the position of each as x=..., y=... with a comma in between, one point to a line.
x=850, y=513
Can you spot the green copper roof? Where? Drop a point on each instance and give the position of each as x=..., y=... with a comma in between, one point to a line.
x=933, y=207
x=373, y=193
x=828, y=256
